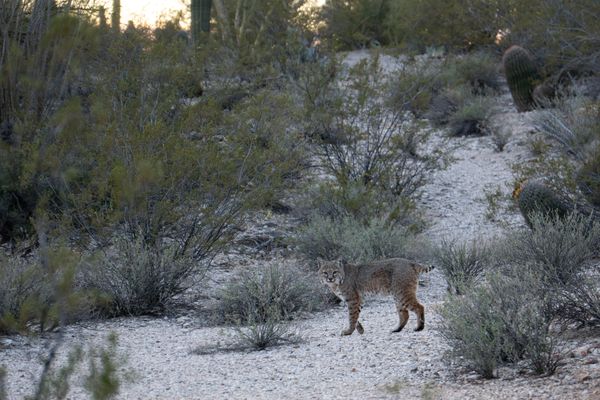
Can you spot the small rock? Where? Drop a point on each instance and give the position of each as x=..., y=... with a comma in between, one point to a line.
x=473, y=376
x=582, y=376
x=580, y=351
x=589, y=361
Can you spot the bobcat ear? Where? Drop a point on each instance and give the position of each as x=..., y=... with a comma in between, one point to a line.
x=341, y=261
x=319, y=262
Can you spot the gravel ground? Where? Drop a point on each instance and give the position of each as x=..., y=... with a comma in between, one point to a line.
x=162, y=354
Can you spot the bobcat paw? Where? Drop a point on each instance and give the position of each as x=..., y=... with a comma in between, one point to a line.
x=347, y=332
x=419, y=328
x=360, y=328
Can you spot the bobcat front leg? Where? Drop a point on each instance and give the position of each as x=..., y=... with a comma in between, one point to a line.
x=353, y=312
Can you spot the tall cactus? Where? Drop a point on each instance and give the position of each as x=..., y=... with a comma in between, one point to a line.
x=522, y=76
x=115, y=18
x=200, y=17
x=102, y=18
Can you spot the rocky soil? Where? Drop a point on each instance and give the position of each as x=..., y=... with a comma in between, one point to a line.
x=162, y=352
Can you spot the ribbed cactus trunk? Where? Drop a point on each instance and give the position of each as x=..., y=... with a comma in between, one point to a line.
x=522, y=77
x=200, y=18
x=536, y=197
x=102, y=18
x=115, y=19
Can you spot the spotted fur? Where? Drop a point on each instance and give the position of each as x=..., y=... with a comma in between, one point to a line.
x=396, y=276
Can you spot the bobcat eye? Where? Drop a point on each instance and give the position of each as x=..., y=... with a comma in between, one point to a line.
x=334, y=273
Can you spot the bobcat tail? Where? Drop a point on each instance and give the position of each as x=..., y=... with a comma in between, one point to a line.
x=424, y=268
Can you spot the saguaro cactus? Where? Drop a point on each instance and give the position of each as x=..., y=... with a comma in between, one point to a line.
x=102, y=18
x=115, y=20
x=522, y=76
x=200, y=17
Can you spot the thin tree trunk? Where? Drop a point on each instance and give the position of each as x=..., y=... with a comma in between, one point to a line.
x=223, y=19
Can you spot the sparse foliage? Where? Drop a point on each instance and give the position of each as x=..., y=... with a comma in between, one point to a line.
x=376, y=143
x=354, y=240
x=269, y=294
x=504, y=320
x=560, y=247
x=462, y=263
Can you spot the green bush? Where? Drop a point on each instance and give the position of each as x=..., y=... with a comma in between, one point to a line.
x=358, y=201
x=260, y=335
x=269, y=294
x=41, y=291
x=573, y=125
x=579, y=301
x=478, y=70
x=378, y=144
x=462, y=263
x=558, y=247
x=414, y=87
x=355, y=23
x=356, y=241
x=136, y=278
x=102, y=380
x=418, y=24
x=502, y=321
x=470, y=118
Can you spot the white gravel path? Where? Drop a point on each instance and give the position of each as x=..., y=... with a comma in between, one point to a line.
x=376, y=365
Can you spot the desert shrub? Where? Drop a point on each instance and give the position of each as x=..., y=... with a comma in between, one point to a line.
x=359, y=201
x=269, y=294
x=415, y=85
x=462, y=263
x=478, y=70
x=355, y=23
x=588, y=178
x=500, y=138
x=259, y=335
x=21, y=286
x=558, y=247
x=418, y=24
x=354, y=240
x=564, y=36
x=503, y=320
x=39, y=70
x=377, y=144
x=573, y=125
x=135, y=277
x=41, y=291
x=470, y=118
x=579, y=301
x=102, y=380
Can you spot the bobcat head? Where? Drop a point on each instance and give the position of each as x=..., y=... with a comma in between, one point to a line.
x=331, y=272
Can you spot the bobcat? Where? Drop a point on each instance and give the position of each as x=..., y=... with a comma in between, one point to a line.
x=395, y=276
